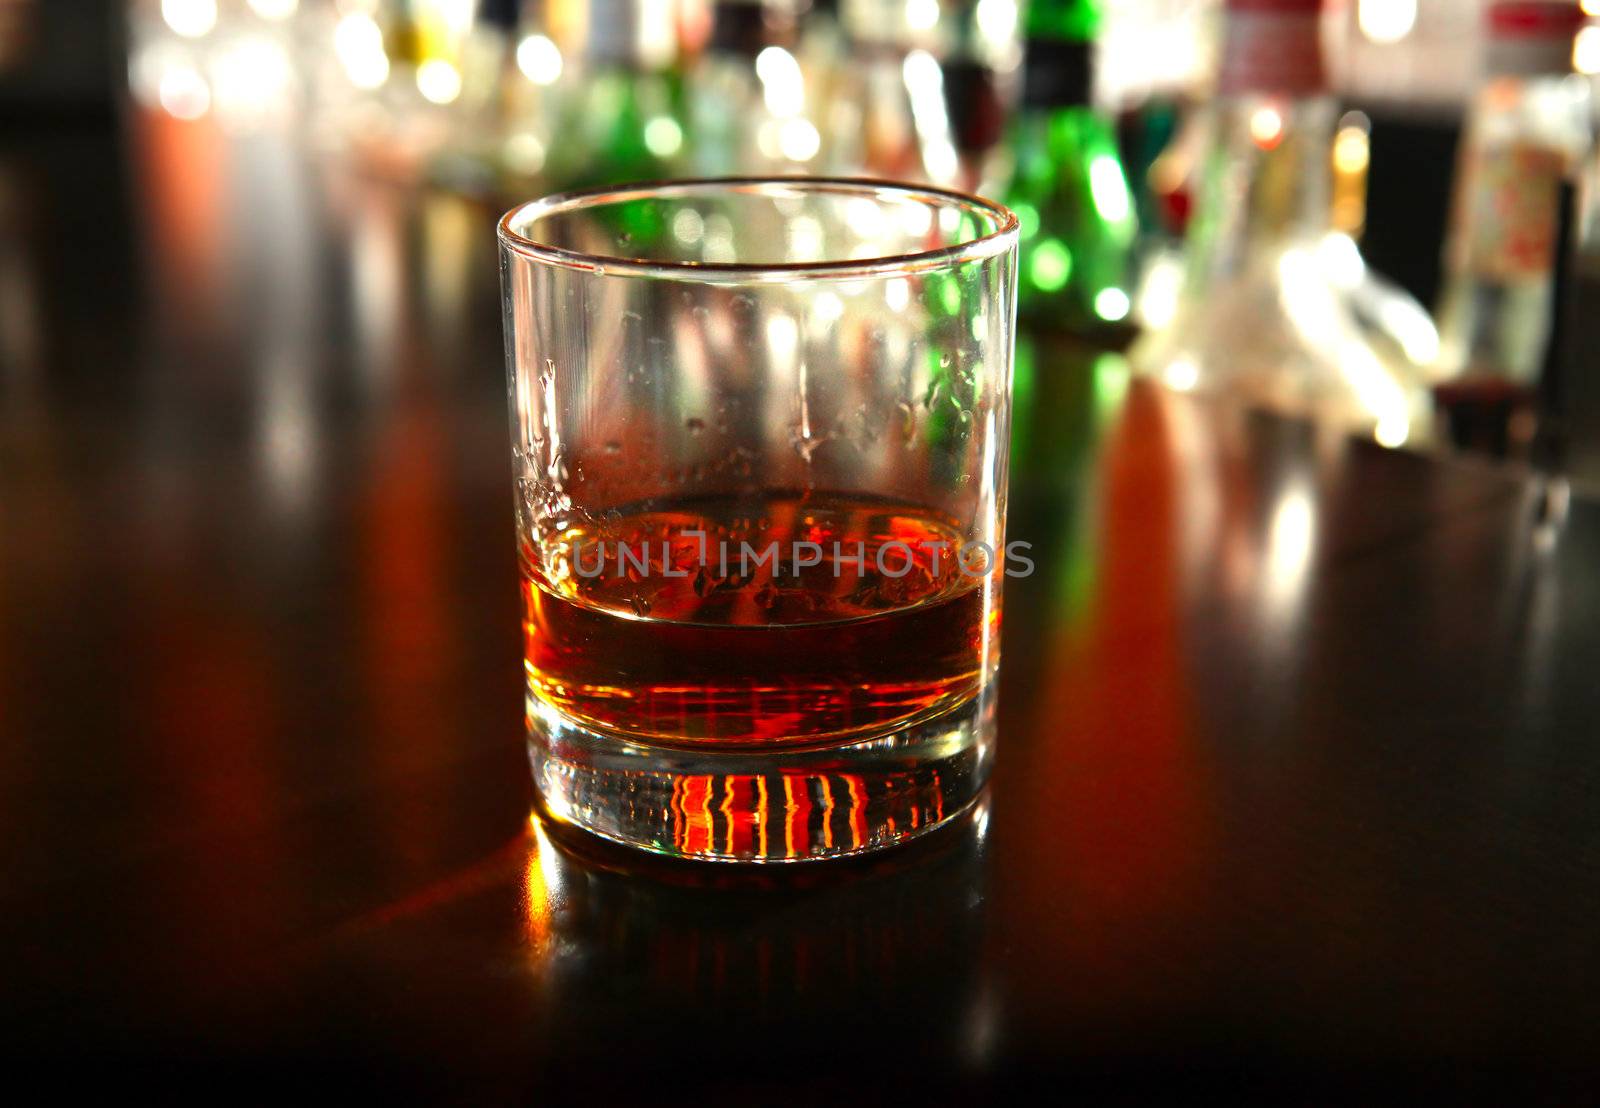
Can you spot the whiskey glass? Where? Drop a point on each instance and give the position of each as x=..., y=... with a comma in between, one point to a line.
x=760, y=434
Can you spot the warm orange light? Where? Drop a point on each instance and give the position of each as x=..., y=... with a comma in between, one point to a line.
x=536, y=891
x=1266, y=128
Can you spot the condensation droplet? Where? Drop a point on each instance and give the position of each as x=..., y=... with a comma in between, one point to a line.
x=613, y=447
x=695, y=425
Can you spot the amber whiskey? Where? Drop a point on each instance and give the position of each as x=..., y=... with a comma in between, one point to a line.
x=786, y=620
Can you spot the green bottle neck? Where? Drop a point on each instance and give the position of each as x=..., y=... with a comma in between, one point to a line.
x=1063, y=20
x=1057, y=74
x=1058, y=54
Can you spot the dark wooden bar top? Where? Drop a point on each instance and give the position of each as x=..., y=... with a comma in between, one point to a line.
x=1297, y=798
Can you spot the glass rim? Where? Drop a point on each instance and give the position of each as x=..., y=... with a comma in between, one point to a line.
x=987, y=245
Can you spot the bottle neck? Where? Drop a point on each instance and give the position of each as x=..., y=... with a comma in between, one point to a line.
x=1057, y=73
x=1266, y=182
x=1063, y=20
x=631, y=34
x=743, y=28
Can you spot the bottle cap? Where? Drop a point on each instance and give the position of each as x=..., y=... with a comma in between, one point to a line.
x=1303, y=7
x=635, y=32
x=1531, y=38
x=1535, y=18
x=746, y=27
x=1272, y=46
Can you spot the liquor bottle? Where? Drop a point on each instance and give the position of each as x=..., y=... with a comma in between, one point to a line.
x=1526, y=132
x=1067, y=184
x=982, y=67
x=431, y=38
x=1570, y=400
x=1277, y=307
x=824, y=62
x=749, y=107
x=890, y=117
x=621, y=113
x=532, y=98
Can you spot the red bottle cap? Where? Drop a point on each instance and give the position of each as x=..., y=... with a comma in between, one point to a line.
x=1535, y=18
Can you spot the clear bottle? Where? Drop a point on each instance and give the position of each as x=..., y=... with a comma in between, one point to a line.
x=1277, y=307
x=894, y=121
x=1526, y=133
x=749, y=107
x=530, y=102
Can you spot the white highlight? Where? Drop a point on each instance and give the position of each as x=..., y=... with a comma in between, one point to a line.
x=1586, y=51
x=190, y=18
x=359, y=45
x=798, y=140
x=438, y=81
x=922, y=15
x=1182, y=375
x=1387, y=21
x=782, y=85
x=184, y=92
x=539, y=58
x=274, y=9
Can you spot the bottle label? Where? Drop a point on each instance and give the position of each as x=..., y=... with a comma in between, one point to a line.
x=1512, y=210
x=1272, y=46
x=1529, y=57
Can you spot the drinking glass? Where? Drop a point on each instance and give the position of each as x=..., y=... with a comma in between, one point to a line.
x=760, y=434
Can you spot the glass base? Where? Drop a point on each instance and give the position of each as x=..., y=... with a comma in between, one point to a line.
x=763, y=805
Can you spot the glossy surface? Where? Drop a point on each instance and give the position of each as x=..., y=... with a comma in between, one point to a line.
x=1297, y=776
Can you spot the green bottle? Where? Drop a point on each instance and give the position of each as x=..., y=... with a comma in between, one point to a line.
x=1067, y=186
x=621, y=118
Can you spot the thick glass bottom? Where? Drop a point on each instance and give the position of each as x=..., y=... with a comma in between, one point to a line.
x=763, y=806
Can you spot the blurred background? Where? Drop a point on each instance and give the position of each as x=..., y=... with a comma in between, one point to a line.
x=1421, y=159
